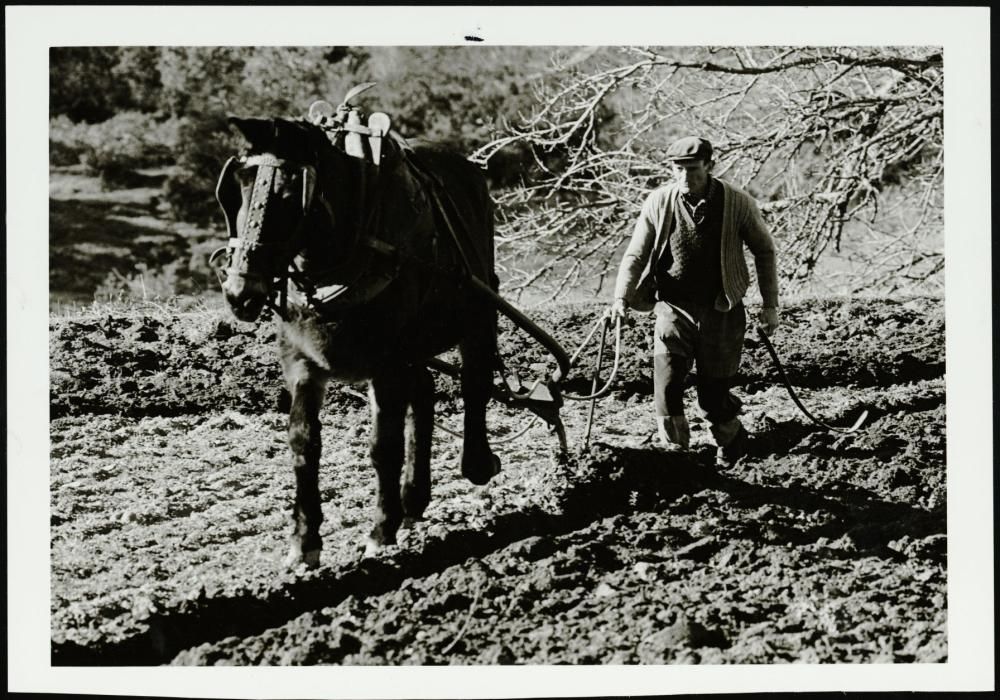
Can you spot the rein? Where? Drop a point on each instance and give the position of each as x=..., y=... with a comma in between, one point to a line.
x=795, y=398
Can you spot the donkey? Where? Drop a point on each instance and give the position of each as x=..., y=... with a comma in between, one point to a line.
x=366, y=252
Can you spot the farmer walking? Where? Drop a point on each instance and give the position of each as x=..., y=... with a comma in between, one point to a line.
x=686, y=262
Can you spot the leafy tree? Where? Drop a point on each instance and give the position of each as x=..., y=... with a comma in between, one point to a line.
x=462, y=95
x=82, y=85
x=138, y=68
x=286, y=80
x=200, y=80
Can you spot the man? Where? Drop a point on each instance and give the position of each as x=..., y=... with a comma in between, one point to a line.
x=686, y=262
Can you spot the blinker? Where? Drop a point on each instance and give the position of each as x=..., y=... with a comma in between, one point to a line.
x=227, y=192
x=243, y=243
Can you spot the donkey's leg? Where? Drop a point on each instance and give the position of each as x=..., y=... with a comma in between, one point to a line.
x=307, y=386
x=416, y=489
x=387, y=395
x=478, y=350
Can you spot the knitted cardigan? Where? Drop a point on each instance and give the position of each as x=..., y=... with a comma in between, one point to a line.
x=741, y=224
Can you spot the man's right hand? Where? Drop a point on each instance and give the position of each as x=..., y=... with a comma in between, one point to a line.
x=618, y=310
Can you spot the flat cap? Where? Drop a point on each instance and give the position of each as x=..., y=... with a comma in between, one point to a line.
x=689, y=148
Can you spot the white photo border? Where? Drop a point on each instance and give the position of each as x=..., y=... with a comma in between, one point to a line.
x=962, y=32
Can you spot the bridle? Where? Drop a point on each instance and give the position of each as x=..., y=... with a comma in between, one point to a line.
x=362, y=242
x=267, y=166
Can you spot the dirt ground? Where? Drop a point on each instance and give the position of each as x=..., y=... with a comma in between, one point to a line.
x=171, y=487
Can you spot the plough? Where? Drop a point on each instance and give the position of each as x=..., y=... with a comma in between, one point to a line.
x=545, y=395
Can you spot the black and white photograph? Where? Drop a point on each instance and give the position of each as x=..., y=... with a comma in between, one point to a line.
x=461, y=339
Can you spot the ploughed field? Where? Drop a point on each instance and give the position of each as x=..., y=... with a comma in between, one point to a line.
x=171, y=489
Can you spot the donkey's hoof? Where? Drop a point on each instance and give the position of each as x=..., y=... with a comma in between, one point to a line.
x=413, y=506
x=296, y=558
x=480, y=476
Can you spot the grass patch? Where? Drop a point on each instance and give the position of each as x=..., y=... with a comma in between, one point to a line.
x=127, y=307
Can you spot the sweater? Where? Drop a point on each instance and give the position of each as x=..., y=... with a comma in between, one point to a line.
x=742, y=225
x=688, y=270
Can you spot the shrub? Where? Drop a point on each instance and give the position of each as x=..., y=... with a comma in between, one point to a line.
x=82, y=84
x=156, y=283
x=205, y=142
x=115, y=148
x=62, y=154
x=191, y=198
x=66, y=140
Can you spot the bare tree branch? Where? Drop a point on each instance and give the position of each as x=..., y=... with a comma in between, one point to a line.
x=836, y=142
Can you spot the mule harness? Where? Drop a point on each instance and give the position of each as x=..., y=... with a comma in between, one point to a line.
x=540, y=397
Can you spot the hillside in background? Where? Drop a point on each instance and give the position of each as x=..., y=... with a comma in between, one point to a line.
x=842, y=146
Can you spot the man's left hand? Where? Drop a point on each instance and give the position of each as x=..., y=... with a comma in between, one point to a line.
x=768, y=320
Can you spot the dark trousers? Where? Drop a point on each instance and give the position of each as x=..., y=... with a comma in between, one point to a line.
x=711, y=341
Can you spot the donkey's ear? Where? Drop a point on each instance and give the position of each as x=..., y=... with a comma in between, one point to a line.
x=258, y=132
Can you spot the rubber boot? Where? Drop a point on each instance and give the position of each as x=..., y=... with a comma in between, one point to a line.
x=732, y=439
x=673, y=431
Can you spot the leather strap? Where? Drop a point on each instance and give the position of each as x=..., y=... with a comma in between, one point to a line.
x=795, y=398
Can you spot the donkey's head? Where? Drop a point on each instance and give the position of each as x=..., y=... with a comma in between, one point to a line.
x=266, y=196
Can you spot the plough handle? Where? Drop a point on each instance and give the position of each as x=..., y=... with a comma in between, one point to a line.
x=593, y=385
x=529, y=327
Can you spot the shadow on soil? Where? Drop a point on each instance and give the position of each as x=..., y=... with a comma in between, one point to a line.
x=90, y=239
x=609, y=481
